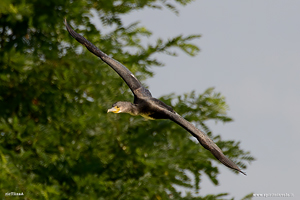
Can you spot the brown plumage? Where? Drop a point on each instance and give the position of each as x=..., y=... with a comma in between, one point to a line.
x=149, y=107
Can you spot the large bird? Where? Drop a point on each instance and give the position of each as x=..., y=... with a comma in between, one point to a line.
x=147, y=106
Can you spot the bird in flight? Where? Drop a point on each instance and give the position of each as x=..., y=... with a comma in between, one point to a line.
x=147, y=106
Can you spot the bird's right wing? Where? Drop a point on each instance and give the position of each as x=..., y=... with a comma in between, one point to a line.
x=204, y=140
x=133, y=83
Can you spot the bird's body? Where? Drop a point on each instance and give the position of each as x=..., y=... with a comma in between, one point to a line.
x=153, y=108
x=147, y=106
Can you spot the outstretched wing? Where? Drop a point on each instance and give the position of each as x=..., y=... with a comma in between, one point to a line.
x=133, y=83
x=204, y=140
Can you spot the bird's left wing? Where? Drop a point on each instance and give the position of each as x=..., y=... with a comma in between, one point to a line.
x=133, y=83
x=203, y=139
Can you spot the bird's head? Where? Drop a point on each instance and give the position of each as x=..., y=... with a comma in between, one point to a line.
x=121, y=107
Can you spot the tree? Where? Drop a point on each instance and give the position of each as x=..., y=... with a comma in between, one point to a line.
x=56, y=140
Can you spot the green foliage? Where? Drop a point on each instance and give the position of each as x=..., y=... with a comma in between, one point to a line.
x=56, y=139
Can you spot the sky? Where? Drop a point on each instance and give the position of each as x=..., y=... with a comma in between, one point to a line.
x=250, y=53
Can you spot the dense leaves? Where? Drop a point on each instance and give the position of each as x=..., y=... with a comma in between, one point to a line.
x=56, y=139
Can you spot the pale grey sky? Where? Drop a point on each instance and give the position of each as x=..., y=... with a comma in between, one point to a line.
x=250, y=52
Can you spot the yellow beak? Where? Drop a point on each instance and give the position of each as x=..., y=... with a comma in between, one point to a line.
x=114, y=110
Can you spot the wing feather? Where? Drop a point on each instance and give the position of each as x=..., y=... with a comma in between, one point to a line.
x=133, y=83
x=204, y=140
